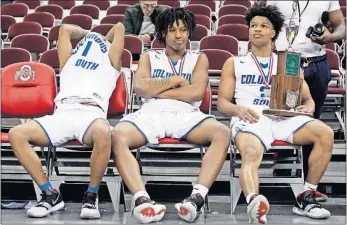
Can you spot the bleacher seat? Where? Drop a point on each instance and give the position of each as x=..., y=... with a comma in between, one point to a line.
x=209, y=3
x=90, y=10
x=199, y=9
x=6, y=22
x=231, y=19
x=134, y=45
x=32, y=4
x=53, y=36
x=112, y=19
x=101, y=4
x=203, y=20
x=171, y=3
x=343, y=9
x=66, y=4
x=45, y=19
x=220, y=41
x=84, y=21
x=14, y=55
x=239, y=31
x=127, y=2
x=102, y=29
x=24, y=28
x=50, y=58
x=238, y=2
x=127, y=59
x=26, y=41
x=56, y=10
x=15, y=9
x=199, y=33
x=117, y=9
x=232, y=9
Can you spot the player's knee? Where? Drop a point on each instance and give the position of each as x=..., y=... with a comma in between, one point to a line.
x=250, y=155
x=17, y=134
x=324, y=135
x=102, y=134
x=223, y=134
x=118, y=136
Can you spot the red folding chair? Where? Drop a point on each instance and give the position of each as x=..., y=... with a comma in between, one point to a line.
x=238, y=2
x=45, y=19
x=171, y=3
x=51, y=59
x=24, y=28
x=342, y=2
x=199, y=9
x=56, y=10
x=53, y=36
x=127, y=59
x=25, y=41
x=14, y=55
x=134, y=45
x=127, y=2
x=66, y=4
x=15, y=9
x=203, y=20
x=343, y=9
x=101, y=4
x=209, y=3
x=232, y=9
x=199, y=33
x=90, y=10
x=156, y=44
x=102, y=29
x=231, y=19
x=239, y=31
x=6, y=22
x=32, y=4
x=112, y=19
x=117, y=9
x=83, y=21
x=220, y=41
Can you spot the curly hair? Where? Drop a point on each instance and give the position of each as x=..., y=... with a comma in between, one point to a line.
x=167, y=18
x=271, y=12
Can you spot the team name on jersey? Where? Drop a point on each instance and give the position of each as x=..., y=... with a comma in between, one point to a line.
x=96, y=38
x=161, y=73
x=251, y=79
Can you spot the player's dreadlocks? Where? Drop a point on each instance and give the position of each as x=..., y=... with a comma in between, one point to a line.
x=167, y=18
x=271, y=12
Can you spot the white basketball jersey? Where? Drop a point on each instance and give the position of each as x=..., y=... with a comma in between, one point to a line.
x=250, y=88
x=88, y=73
x=161, y=68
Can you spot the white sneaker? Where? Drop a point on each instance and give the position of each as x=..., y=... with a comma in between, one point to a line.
x=257, y=209
x=189, y=208
x=90, y=206
x=307, y=205
x=147, y=211
x=51, y=201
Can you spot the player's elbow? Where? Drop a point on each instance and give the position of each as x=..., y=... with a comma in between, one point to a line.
x=119, y=28
x=140, y=90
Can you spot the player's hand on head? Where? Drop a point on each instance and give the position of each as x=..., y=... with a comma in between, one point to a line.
x=247, y=114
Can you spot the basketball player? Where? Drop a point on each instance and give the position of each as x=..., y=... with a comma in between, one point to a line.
x=87, y=79
x=172, y=82
x=247, y=81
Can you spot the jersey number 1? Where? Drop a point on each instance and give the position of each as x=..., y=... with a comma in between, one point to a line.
x=86, y=50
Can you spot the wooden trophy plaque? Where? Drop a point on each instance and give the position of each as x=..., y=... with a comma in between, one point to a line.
x=286, y=86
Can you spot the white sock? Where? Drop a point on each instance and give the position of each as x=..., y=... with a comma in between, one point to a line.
x=140, y=194
x=309, y=187
x=248, y=198
x=201, y=189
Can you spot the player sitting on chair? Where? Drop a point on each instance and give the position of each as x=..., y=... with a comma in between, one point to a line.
x=246, y=79
x=87, y=79
x=172, y=83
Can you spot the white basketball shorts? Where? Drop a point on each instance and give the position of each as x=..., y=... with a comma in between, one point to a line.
x=155, y=124
x=271, y=128
x=69, y=122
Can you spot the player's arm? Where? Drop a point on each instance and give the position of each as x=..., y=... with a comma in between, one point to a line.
x=66, y=33
x=116, y=37
x=195, y=91
x=308, y=104
x=227, y=89
x=148, y=87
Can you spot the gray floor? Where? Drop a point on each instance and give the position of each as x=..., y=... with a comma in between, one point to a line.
x=278, y=214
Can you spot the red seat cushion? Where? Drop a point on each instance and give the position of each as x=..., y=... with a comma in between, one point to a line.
x=73, y=142
x=280, y=143
x=4, y=138
x=334, y=90
x=214, y=91
x=172, y=141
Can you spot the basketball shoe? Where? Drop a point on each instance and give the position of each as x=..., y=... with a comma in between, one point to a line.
x=189, y=208
x=147, y=210
x=257, y=209
x=51, y=201
x=307, y=205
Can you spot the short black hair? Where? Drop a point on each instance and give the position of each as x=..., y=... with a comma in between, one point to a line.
x=167, y=18
x=271, y=12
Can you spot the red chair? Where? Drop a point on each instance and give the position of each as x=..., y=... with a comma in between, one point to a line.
x=343, y=9
x=203, y=20
x=102, y=29
x=156, y=44
x=83, y=21
x=15, y=9
x=24, y=28
x=220, y=41
x=334, y=63
x=117, y=9
x=101, y=4
x=331, y=46
x=342, y=2
x=14, y=55
x=216, y=59
x=238, y=31
x=53, y=36
x=238, y=2
x=199, y=33
x=66, y=4
x=209, y=3
x=44, y=18
x=56, y=10
x=127, y=2
x=231, y=19
x=199, y=9
x=32, y=4
x=171, y=3
x=51, y=59
x=90, y=10
x=112, y=19
x=127, y=59
x=25, y=41
x=6, y=22
x=133, y=44
x=232, y=9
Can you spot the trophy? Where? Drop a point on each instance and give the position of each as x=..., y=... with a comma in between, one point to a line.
x=287, y=83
